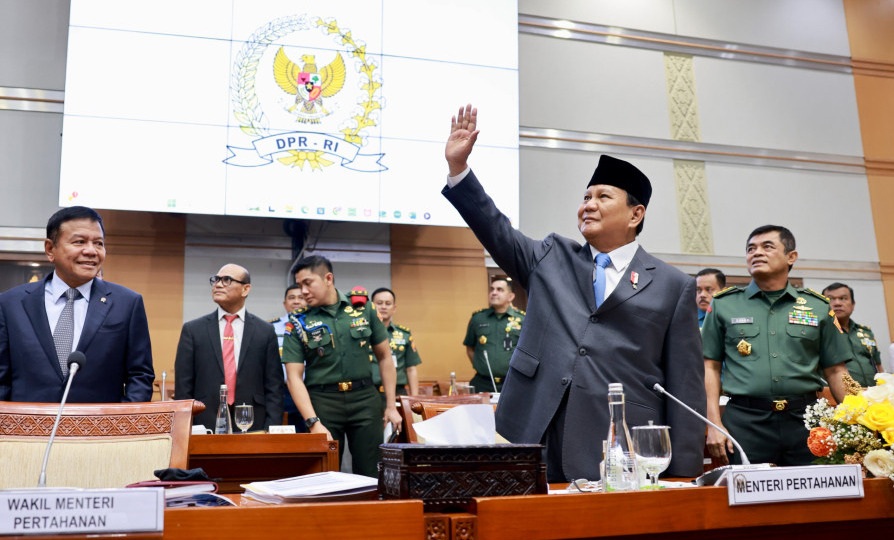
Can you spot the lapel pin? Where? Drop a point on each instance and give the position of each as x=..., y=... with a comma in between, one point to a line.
x=634, y=279
x=102, y=300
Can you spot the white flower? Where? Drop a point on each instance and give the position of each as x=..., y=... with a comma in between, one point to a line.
x=884, y=389
x=880, y=463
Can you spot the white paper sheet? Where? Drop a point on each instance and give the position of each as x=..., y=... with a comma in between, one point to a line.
x=460, y=425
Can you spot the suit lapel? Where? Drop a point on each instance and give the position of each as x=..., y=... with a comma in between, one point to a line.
x=625, y=288
x=212, y=326
x=583, y=271
x=247, y=333
x=36, y=310
x=97, y=309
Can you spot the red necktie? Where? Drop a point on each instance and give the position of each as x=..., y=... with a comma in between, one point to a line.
x=229, y=359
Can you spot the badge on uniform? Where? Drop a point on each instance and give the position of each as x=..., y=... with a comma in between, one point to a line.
x=482, y=340
x=744, y=348
x=507, y=343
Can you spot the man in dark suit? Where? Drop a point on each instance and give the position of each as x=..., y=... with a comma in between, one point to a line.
x=106, y=322
x=641, y=329
x=200, y=367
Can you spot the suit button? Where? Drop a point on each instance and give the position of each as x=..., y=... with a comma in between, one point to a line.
x=594, y=319
x=565, y=381
x=582, y=351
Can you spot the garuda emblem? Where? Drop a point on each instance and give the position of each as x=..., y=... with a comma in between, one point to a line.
x=308, y=84
x=341, y=102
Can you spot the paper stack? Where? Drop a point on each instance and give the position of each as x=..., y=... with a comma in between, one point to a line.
x=297, y=488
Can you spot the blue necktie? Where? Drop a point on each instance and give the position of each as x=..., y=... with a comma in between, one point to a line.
x=602, y=260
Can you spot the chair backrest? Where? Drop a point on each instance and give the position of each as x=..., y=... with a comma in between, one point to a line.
x=96, y=445
x=412, y=408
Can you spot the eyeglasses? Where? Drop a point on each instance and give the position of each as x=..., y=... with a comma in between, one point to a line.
x=226, y=280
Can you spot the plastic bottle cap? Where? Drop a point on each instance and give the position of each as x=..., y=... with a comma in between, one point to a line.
x=615, y=387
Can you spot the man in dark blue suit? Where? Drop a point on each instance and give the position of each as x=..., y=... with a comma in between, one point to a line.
x=636, y=327
x=107, y=322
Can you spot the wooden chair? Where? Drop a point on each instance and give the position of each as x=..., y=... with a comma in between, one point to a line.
x=97, y=444
x=411, y=409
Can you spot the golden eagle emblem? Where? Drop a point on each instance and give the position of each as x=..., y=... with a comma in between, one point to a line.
x=308, y=84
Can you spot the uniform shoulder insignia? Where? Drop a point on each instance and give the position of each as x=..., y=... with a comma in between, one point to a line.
x=402, y=327
x=521, y=312
x=811, y=292
x=481, y=310
x=729, y=290
x=273, y=321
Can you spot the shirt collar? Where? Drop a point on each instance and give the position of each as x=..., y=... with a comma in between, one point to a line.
x=620, y=257
x=239, y=314
x=753, y=290
x=58, y=287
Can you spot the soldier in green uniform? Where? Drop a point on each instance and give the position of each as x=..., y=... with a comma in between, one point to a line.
x=494, y=331
x=765, y=346
x=867, y=361
x=327, y=350
x=403, y=350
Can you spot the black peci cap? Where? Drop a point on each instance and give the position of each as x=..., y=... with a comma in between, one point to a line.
x=619, y=173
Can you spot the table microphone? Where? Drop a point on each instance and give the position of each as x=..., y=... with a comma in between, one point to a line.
x=712, y=476
x=75, y=360
x=490, y=371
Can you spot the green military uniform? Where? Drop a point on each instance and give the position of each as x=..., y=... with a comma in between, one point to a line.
x=865, y=351
x=335, y=344
x=773, y=347
x=496, y=333
x=404, y=354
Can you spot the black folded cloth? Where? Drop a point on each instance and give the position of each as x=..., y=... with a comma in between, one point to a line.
x=172, y=474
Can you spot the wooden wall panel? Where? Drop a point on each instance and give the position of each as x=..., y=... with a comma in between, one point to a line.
x=145, y=251
x=439, y=277
x=869, y=24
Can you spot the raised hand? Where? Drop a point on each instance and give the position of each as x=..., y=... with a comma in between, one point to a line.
x=463, y=134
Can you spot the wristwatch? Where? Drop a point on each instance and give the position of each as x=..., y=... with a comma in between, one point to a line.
x=311, y=421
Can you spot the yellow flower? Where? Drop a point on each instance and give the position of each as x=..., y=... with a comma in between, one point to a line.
x=888, y=435
x=878, y=416
x=850, y=409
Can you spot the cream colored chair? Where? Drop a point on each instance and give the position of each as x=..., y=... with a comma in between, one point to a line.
x=97, y=444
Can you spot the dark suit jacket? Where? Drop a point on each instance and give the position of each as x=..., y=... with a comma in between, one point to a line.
x=566, y=344
x=199, y=371
x=115, y=341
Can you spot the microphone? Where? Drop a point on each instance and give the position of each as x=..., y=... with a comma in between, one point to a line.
x=75, y=360
x=490, y=371
x=660, y=390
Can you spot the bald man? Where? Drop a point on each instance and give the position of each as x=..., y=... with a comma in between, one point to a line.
x=201, y=364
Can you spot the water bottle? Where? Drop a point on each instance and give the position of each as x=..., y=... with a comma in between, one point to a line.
x=223, y=426
x=620, y=461
x=451, y=390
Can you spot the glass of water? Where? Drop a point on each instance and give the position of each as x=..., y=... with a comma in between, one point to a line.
x=245, y=416
x=652, y=447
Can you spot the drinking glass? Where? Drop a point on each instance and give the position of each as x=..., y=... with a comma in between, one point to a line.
x=652, y=447
x=245, y=416
x=464, y=389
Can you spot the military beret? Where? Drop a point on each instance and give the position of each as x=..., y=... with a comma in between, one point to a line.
x=619, y=173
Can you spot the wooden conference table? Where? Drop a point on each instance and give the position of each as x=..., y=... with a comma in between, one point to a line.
x=700, y=513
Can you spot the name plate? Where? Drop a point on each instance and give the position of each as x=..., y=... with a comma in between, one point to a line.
x=783, y=484
x=65, y=510
x=281, y=429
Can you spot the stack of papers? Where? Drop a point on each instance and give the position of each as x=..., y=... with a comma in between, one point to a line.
x=308, y=486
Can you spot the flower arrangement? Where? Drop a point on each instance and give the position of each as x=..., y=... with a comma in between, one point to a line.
x=860, y=429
